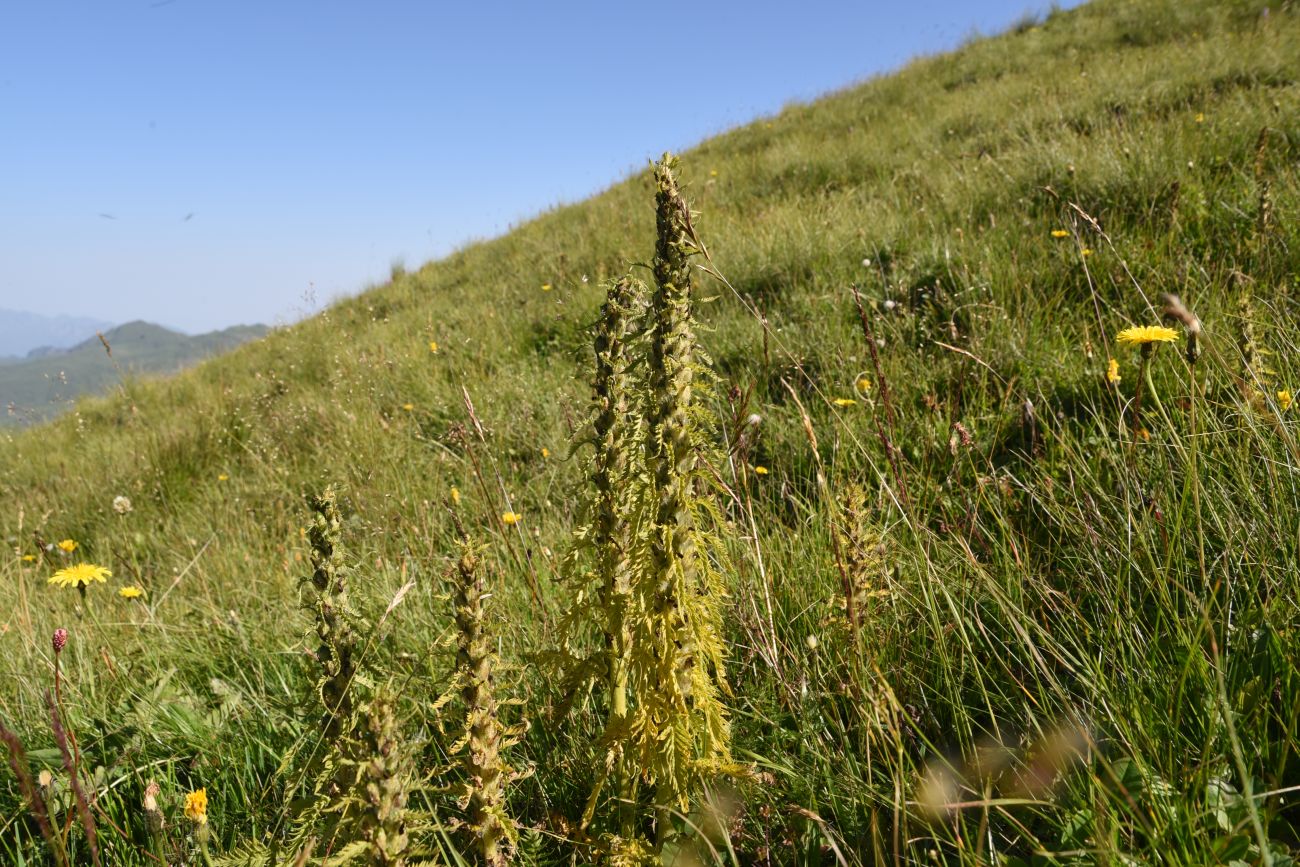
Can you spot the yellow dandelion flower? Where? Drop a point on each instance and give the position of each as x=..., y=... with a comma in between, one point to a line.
x=1200, y=117
x=1087, y=251
x=1060, y=233
x=80, y=575
x=713, y=173
x=67, y=546
x=863, y=384
x=433, y=346
x=1112, y=372
x=455, y=495
x=844, y=401
x=29, y=558
x=1284, y=399
x=196, y=806
x=511, y=518
x=408, y=406
x=547, y=287
x=223, y=477
x=1144, y=334
x=760, y=471
x=131, y=592
x=546, y=453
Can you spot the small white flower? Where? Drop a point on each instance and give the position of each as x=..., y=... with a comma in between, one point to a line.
x=866, y=263
x=121, y=505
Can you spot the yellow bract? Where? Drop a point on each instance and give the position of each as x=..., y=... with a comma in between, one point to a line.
x=80, y=575
x=1143, y=334
x=1112, y=371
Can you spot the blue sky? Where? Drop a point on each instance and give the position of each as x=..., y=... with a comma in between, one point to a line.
x=201, y=163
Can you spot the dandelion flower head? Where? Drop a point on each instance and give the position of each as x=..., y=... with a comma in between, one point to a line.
x=67, y=546
x=1060, y=233
x=196, y=806
x=1144, y=334
x=80, y=575
x=1285, y=399
x=131, y=592
x=760, y=471
x=511, y=518
x=844, y=401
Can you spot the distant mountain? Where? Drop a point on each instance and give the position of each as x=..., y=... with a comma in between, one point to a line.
x=22, y=333
x=45, y=383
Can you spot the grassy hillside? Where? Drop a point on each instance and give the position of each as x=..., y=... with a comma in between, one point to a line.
x=38, y=388
x=1078, y=623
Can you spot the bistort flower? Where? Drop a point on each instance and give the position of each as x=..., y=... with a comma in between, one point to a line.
x=1144, y=334
x=80, y=575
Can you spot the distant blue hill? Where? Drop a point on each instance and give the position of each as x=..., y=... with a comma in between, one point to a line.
x=47, y=382
x=22, y=333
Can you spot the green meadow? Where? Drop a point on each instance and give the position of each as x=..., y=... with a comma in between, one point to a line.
x=977, y=582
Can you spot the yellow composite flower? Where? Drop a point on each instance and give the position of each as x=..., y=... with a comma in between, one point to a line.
x=1112, y=372
x=67, y=546
x=760, y=471
x=511, y=518
x=131, y=592
x=844, y=401
x=1144, y=334
x=455, y=495
x=863, y=384
x=196, y=806
x=1060, y=233
x=29, y=558
x=1200, y=117
x=80, y=575
x=408, y=406
x=433, y=346
x=547, y=287
x=1086, y=251
x=546, y=453
x=222, y=477
x=1284, y=399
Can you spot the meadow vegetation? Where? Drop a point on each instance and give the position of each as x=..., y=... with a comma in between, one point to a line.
x=842, y=518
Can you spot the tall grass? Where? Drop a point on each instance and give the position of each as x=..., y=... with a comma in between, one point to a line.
x=1073, y=622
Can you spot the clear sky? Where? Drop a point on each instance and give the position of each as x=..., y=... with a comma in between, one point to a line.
x=201, y=163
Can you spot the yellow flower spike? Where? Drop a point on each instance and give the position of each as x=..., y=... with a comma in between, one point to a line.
x=196, y=806
x=1144, y=334
x=1060, y=233
x=80, y=575
x=844, y=401
x=511, y=518
x=760, y=471
x=1284, y=399
x=131, y=592
x=1112, y=372
x=433, y=346
x=67, y=546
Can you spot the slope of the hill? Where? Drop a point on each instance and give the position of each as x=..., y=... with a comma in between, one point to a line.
x=1045, y=557
x=38, y=388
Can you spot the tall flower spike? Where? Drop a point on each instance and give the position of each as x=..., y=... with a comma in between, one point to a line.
x=334, y=625
x=679, y=651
